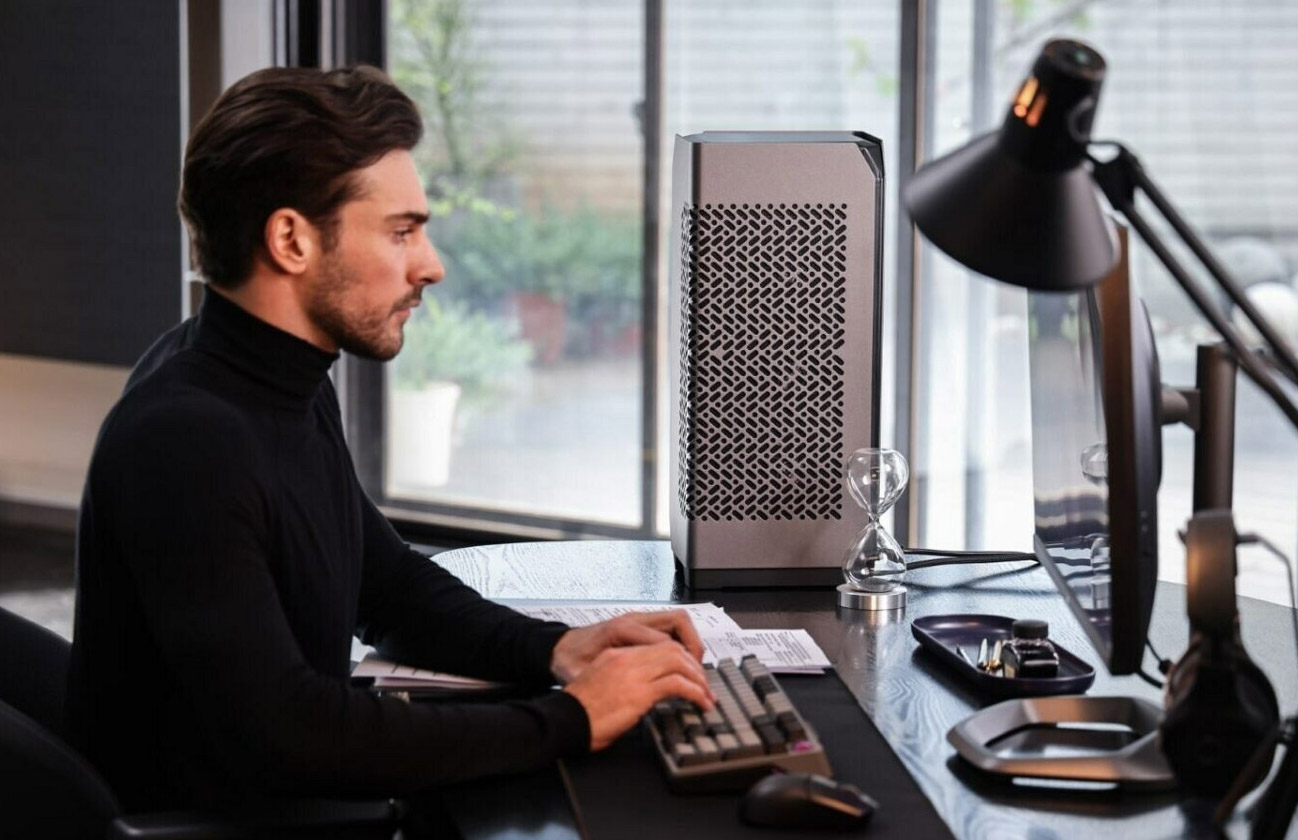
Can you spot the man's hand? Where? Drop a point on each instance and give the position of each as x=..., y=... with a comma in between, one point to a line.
x=580, y=646
x=623, y=683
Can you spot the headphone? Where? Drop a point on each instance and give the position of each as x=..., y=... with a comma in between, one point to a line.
x=1221, y=710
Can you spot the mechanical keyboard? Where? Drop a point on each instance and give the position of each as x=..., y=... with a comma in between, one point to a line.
x=752, y=729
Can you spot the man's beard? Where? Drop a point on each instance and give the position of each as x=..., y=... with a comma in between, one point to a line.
x=364, y=334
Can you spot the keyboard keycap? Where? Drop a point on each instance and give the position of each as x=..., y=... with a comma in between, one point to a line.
x=685, y=755
x=764, y=686
x=673, y=734
x=773, y=739
x=728, y=743
x=777, y=704
x=707, y=749
x=749, y=742
x=791, y=726
x=692, y=723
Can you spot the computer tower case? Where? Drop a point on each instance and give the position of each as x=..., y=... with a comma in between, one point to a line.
x=774, y=323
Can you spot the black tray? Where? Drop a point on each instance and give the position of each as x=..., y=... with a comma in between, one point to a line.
x=938, y=633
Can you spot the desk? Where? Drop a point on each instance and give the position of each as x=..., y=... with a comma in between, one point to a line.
x=911, y=700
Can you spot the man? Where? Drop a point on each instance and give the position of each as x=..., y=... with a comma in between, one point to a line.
x=226, y=551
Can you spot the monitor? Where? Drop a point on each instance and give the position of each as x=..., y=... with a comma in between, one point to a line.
x=1096, y=459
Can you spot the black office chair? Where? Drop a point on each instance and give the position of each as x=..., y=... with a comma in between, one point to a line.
x=49, y=790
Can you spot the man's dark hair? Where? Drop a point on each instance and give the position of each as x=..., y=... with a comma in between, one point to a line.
x=285, y=137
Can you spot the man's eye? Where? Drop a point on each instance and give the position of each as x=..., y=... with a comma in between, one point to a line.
x=404, y=234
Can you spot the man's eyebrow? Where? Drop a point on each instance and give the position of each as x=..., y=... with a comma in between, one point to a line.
x=409, y=216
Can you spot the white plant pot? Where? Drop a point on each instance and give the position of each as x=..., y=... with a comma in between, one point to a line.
x=421, y=425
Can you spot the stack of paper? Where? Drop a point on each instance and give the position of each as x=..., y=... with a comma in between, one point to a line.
x=706, y=617
x=782, y=651
x=389, y=676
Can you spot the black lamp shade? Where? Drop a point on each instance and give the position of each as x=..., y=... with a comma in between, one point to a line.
x=1018, y=204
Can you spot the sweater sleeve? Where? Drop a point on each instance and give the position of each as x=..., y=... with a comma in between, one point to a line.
x=414, y=611
x=198, y=560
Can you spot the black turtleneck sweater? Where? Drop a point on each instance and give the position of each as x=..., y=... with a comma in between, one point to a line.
x=226, y=556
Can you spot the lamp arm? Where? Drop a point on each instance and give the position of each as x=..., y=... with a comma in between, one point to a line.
x=1126, y=172
x=1118, y=178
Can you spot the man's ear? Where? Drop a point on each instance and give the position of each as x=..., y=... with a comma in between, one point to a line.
x=291, y=241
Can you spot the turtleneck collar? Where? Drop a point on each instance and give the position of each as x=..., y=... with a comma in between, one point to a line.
x=266, y=354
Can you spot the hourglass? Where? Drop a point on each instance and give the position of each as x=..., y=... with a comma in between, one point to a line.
x=875, y=563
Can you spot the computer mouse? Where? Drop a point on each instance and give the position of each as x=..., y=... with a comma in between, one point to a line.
x=805, y=800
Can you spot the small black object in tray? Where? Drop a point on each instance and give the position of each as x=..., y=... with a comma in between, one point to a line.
x=939, y=634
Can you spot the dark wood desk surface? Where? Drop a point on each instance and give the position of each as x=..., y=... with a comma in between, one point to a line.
x=910, y=698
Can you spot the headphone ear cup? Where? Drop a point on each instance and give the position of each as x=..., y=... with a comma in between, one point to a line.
x=1257, y=696
x=1220, y=707
x=1180, y=722
x=1181, y=675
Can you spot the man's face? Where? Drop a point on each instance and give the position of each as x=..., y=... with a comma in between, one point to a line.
x=380, y=262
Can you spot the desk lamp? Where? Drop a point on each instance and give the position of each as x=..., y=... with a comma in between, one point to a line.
x=1020, y=204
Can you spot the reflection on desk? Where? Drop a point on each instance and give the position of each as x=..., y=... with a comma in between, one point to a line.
x=911, y=699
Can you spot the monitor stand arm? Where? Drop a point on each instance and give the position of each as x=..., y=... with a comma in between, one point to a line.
x=1208, y=409
x=1214, y=439
x=1121, y=178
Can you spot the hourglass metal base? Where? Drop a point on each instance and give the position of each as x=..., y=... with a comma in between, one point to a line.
x=849, y=597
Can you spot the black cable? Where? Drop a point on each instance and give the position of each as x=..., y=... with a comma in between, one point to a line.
x=1258, y=539
x=953, y=561
x=1156, y=683
x=1007, y=555
x=956, y=558
x=1164, y=665
x=959, y=561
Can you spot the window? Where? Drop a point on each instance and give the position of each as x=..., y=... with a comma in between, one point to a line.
x=520, y=387
x=524, y=396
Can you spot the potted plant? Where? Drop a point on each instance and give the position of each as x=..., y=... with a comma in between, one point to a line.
x=544, y=265
x=450, y=352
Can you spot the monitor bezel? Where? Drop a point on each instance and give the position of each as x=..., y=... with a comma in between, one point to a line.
x=1130, y=392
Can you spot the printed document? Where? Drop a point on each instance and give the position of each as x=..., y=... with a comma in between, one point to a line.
x=390, y=676
x=707, y=618
x=782, y=651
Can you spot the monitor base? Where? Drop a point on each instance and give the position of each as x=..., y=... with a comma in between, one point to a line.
x=1114, y=738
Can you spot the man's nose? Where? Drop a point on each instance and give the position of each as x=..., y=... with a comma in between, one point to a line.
x=429, y=268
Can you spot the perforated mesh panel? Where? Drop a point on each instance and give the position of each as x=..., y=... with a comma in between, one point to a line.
x=763, y=297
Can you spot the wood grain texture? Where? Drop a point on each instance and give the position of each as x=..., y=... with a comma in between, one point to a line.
x=909, y=695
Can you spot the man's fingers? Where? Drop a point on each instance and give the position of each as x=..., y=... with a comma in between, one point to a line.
x=637, y=633
x=677, y=623
x=678, y=657
x=669, y=658
x=675, y=685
